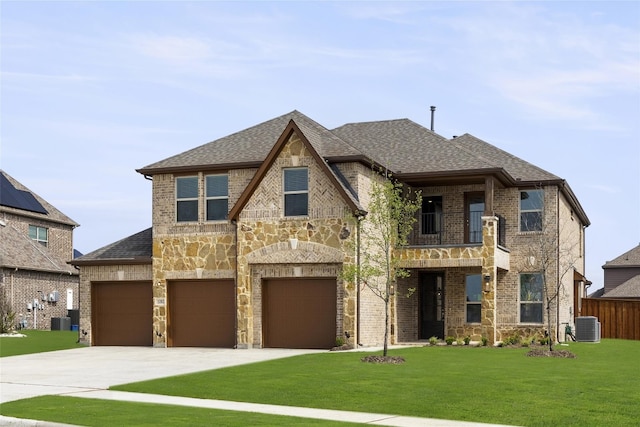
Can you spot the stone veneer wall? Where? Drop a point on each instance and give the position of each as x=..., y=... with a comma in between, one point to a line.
x=265, y=242
x=109, y=273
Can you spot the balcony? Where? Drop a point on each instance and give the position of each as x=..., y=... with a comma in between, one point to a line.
x=455, y=239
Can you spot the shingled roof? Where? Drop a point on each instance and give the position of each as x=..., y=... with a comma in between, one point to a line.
x=630, y=258
x=51, y=213
x=18, y=250
x=394, y=144
x=135, y=249
x=248, y=148
x=628, y=289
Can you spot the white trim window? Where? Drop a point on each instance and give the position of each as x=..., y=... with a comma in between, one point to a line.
x=531, y=289
x=473, y=301
x=187, y=199
x=296, y=191
x=531, y=208
x=39, y=234
x=217, y=197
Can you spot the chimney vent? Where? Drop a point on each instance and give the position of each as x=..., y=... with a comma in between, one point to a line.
x=433, y=112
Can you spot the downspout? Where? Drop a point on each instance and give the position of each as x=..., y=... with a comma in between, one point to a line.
x=358, y=231
x=558, y=267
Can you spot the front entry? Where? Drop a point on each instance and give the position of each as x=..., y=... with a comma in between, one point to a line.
x=431, y=292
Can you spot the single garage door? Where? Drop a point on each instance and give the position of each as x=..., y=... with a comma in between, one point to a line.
x=122, y=313
x=202, y=313
x=299, y=313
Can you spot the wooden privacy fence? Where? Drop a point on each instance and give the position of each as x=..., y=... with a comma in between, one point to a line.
x=619, y=318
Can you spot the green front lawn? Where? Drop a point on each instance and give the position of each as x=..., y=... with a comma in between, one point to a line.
x=496, y=385
x=499, y=385
x=37, y=342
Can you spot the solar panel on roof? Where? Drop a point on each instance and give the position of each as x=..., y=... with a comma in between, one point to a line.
x=11, y=197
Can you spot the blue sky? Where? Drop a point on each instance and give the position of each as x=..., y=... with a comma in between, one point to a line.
x=91, y=91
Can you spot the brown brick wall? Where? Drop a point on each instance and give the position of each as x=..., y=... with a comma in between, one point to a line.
x=22, y=286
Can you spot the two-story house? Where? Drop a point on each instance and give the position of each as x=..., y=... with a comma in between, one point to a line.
x=250, y=234
x=36, y=242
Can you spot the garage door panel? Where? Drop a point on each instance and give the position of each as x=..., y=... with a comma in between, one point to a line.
x=299, y=313
x=122, y=313
x=202, y=313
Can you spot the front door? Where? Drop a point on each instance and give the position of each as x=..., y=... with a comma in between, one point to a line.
x=431, y=292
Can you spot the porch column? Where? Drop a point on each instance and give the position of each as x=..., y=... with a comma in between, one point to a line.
x=489, y=277
x=489, y=184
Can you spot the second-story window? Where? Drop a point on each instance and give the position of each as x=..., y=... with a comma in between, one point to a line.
x=531, y=206
x=296, y=191
x=474, y=298
x=187, y=198
x=431, y=214
x=217, y=195
x=39, y=234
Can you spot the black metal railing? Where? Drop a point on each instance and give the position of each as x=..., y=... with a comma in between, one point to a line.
x=452, y=228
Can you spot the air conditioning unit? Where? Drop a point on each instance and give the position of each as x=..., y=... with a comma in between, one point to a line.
x=587, y=329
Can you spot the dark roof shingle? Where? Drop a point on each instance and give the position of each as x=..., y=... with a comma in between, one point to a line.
x=136, y=248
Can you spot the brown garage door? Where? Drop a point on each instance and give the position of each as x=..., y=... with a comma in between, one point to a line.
x=202, y=313
x=122, y=313
x=299, y=313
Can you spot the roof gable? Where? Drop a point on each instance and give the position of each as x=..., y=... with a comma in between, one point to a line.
x=291, y=129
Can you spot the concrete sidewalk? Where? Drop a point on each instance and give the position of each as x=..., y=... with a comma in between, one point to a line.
x=89, y=372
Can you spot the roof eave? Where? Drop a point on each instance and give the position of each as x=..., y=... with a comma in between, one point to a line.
x=111, y=261
x=150, y=171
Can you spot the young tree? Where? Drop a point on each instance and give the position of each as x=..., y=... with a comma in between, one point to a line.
x=554, y=254
x=386, y=227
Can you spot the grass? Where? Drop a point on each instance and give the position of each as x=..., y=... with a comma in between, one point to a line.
x=496, y=385
x=107, y=413
x=599, y=387
x=37, y=342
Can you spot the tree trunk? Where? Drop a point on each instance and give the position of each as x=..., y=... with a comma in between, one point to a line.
x=386, y=325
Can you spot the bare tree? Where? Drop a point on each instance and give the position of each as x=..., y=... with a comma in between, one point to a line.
x=554, y=254
x=386, y=227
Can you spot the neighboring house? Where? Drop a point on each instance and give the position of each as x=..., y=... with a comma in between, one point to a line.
x=36, y=243
x=250, y=234
x=622, y=276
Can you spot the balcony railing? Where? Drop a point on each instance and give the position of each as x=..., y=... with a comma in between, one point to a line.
x=452, y=228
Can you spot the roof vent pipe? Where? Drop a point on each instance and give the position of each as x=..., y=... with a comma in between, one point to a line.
x=433, y=111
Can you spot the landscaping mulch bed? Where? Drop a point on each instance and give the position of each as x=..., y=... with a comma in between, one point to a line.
x=539, y=352
x=394, y=360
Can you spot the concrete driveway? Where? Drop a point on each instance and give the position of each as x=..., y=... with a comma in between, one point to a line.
x=98, y=368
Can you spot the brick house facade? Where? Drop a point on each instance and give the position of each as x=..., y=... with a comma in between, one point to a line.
x=294, y=197
x=36, y=244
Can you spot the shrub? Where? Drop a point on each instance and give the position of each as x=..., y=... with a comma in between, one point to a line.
x=7, y=316
x=433, y=340
x=449, y=340
x=467, y=340
x=485, y=341
x=339, y=341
